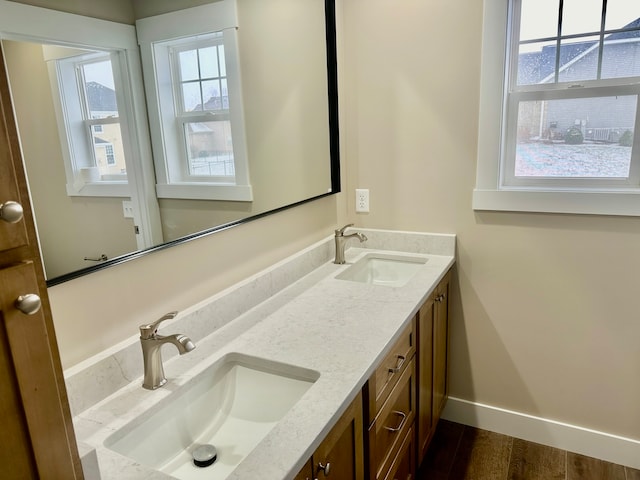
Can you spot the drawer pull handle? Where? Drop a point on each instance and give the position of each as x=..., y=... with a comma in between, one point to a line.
x=399, y=364
x=403, y=418
x=326, y=469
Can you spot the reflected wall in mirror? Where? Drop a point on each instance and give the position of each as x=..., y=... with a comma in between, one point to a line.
x=290, y=111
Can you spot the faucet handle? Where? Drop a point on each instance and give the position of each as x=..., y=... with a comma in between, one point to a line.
x=340, y=231
x=147, y=330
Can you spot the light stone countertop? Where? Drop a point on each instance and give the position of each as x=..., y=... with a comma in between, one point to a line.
x=339, y=328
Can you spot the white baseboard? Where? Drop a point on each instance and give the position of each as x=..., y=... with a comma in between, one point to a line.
x=605, y=446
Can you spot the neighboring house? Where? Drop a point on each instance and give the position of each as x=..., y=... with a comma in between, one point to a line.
x=599, y=119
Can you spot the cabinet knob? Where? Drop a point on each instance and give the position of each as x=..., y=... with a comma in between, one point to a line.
x=11, y=212
x=28, y=304
x=325, y=468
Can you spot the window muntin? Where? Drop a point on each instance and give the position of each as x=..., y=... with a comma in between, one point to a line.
x=571, y=97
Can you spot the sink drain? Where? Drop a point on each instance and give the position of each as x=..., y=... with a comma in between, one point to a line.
x=204, y=455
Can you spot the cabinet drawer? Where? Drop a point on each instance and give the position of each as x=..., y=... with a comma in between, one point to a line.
x=390, y=370
x=403, y=465
x=390, y=427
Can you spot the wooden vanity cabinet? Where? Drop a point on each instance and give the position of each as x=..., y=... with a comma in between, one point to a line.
x=391, y=408
x=340, y=456
x=306, y=473
x=432, y=364
x=37, y=433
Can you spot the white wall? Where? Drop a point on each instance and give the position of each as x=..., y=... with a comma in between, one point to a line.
x=544, y=315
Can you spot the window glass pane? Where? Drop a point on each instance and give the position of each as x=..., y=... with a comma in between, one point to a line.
x=188, y=61
x=621, y=59
x=210, y=148
x=108, y=151
x=576, y=138
x=99, y=89
x=536, y=63
x=191, y=98
x=211, y=93
x=622, y=13
x=539, y=19
x=581, y=16
x=579, y=59
x=209, y=62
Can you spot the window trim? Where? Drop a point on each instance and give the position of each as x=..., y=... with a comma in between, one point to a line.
x=154, y=35
x=489, y=194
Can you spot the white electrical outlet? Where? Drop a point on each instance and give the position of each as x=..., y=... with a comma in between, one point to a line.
x=127, y=209
x=362, y=200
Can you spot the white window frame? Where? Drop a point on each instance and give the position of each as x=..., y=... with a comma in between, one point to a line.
x=496, y=121
x=75, y=129
x=156, y=36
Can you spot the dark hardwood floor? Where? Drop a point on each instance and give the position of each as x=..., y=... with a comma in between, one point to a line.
x=459, y=452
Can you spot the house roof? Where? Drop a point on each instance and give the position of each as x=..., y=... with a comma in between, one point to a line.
x=101, y=98
x=538, y=67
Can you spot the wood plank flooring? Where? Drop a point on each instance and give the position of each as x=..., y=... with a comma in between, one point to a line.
x=459, y=452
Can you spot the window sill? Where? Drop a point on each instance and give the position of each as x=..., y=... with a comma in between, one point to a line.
x=205, y=191
x=624, y=203
x=102, y=189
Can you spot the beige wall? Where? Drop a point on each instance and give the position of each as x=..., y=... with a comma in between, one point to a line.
x=545, y=316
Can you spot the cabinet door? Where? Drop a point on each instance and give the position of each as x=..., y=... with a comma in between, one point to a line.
x=340, y=456
x=440, y=347
x=16, y=456
x=12, y=235
x=425, y=376
x=306, y=473
x=27, y=355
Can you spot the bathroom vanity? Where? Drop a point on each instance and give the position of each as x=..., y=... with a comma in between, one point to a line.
x=360, y=361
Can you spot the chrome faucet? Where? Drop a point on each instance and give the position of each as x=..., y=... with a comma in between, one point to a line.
x=341, y=239
x=151, y=343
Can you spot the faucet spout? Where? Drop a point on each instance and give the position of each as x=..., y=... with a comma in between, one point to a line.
x=341, y=240
x=151, y=342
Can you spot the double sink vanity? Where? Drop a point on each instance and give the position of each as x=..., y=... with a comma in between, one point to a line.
x=306, y=370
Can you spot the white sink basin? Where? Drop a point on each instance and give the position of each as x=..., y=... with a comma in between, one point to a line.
x=232, y=405
x=383, y=269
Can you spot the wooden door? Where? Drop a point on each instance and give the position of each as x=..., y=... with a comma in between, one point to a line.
x=341, y=454
x=37, y=431
x=306, y=473
x=440, y=347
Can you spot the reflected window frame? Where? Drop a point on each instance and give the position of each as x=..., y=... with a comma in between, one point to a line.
x=160, y=37
x=77, y=127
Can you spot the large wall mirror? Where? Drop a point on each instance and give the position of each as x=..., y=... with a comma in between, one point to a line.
x=90, y=124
